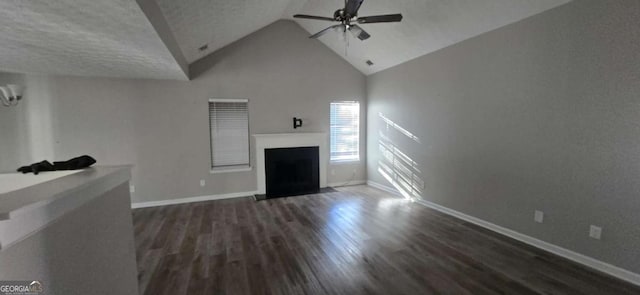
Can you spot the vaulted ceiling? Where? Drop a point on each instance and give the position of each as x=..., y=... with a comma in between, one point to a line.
x=157, y=38
x=428, y=25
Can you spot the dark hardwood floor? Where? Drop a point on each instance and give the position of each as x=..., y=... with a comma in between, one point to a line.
x=356, y=241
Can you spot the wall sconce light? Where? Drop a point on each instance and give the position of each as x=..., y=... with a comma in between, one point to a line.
x=11, y=94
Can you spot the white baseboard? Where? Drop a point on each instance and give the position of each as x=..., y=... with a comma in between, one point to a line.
x=604, y=267
x=384, y=188
x=347, y=183
x=221, y=197
x=191, y=200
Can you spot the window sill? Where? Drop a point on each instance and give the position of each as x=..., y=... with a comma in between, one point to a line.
x=230, y=169
x=344, y=162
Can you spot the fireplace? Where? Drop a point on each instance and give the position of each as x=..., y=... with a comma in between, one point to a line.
x=292, y=171
x=264, y=142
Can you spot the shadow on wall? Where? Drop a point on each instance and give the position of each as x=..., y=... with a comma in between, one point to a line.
x=395, y=165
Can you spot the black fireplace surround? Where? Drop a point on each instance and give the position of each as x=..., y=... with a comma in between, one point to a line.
x=292, y=171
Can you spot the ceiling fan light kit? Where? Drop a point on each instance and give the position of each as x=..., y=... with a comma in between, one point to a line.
x=347, y=16
x=11, y=94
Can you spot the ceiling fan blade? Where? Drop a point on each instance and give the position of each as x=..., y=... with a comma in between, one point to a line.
x=352, y=6
x=313, y=17
x=318, y=34
x=388, y=18
x=358, y=32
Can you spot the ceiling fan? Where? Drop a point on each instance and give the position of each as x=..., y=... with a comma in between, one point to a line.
x=349, y=14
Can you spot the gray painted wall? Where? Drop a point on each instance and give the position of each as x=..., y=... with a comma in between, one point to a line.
x=22, y=127
x=64, y=117
x=542, y=114
x=9, y=138
x=162, y=127
x=283, y=74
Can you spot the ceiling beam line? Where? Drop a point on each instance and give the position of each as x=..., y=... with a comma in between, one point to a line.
x=151, y=9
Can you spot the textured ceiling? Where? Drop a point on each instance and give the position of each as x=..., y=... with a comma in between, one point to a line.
x=428, y=25
x=82, y=37
x=115, y=38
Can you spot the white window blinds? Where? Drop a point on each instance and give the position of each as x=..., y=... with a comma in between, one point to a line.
x=345, y=131
x=229, y=128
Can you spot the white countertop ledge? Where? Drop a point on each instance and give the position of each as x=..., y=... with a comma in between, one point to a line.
x=29, y=203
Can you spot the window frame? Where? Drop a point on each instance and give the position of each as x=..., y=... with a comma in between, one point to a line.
x=357, y=157
x=229, y=168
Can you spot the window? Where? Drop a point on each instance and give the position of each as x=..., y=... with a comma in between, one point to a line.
x=229, y=129
x=345, y=131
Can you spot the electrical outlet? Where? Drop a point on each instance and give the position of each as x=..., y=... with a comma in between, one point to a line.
x=595, y=232
x=538, y=216
x=132, y=188
x=202, y=182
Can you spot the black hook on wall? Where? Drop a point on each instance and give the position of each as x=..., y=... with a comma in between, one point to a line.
x=297, y=122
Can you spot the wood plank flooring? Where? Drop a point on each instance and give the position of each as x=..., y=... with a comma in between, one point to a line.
x=356, y=241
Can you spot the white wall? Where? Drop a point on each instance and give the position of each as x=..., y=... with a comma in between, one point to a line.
x=162, y=127
x=10, y=119
x=90, y=250
x=542, y=114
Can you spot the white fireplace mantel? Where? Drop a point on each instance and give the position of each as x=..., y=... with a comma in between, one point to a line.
x=290, y=140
